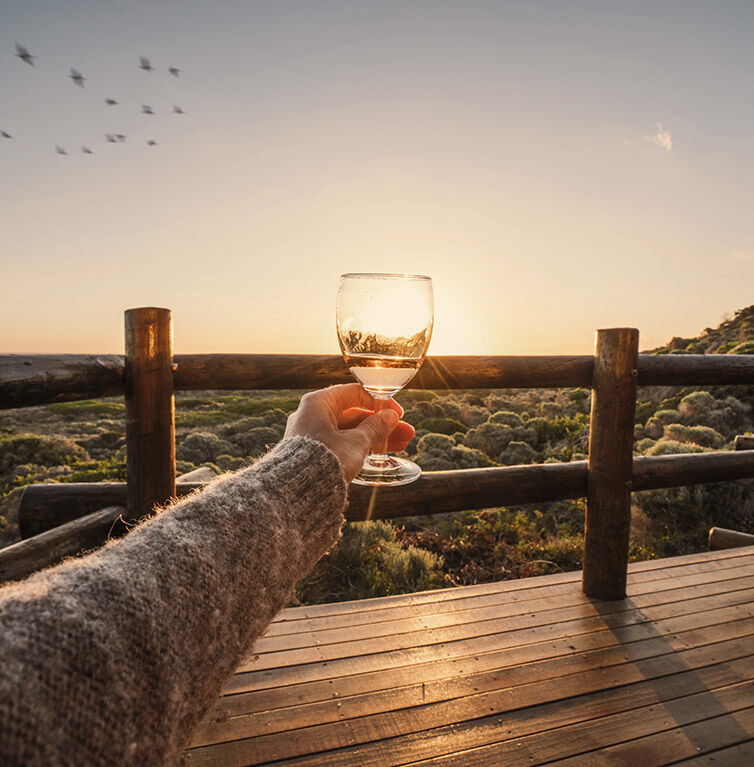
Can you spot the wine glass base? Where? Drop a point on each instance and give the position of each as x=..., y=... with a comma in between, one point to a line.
x=391, y=471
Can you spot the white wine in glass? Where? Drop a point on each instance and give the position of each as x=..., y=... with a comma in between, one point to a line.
x=384, y=326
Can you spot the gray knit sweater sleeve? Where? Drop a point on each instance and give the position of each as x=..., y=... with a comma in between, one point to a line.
x=112, y=659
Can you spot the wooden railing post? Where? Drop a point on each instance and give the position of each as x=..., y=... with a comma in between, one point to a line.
x=150, y=411
x=611, y=438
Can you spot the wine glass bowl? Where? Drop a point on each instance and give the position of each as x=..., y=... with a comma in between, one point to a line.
x=384, y=324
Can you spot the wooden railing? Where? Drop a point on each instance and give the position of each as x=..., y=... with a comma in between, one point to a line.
x=60, y=515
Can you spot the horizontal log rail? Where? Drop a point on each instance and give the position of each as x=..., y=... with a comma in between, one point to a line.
x=27, y=380
x=720, y=538
x=25, y=557
x=42, y=507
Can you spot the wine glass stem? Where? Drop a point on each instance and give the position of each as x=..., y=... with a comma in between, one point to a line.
x=379, y=456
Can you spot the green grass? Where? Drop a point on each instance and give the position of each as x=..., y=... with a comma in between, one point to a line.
x=88, y=408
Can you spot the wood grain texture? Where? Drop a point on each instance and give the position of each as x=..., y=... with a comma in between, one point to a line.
x=38, y=379
x=544, y=687
x=43, y=506
x=310, y=371
x=88, y=532
x=150, y=411
x=611, y=438
x=696, y=369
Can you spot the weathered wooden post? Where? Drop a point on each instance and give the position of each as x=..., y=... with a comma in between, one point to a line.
x=611, y=439
x=150, y=412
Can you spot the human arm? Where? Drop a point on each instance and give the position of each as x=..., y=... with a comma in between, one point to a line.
x=113, y=658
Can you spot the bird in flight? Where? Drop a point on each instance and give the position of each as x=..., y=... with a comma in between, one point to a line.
x=86, y=150
x=146, y=109
x=60, y=150
x=23, y=54
x=111, y=102
x=120, y=137
x=77, y=77
x=151, y=142
x=174, y=71
x=110, y=138
x=5, y=134
x=178, y=110
x=144, y=64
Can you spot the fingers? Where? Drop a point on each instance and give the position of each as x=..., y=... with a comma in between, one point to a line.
x=401, y=435
x=344, y=396
x=355, y=415
x=375, y=429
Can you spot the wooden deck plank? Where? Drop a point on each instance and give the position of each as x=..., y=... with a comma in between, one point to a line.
x=487, y=611
x=268, y=720
x=665, y=747
x=623, y=728
x=288, y=619
x=740, y=755
x=375, y=682
x=427, y=731
x=588, y=613
x=360, y=664
x=244, y=679
x=527, y=672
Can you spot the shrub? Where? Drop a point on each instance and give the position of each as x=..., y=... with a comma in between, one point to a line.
x=490, y=438
x=644, y=411
x=370, y=562
x=242, y=426
x=697, y=435
x=506, y=417
x=695, y=407
x=517, y=453
x=256, y=442
x=421, y=411
x=37, y=449
x=580, y=398
x=199, y=447
x=441, y=425
x=438, y=452
x=673, y=447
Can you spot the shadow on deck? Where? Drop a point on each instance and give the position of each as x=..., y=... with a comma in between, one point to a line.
x=525, y=672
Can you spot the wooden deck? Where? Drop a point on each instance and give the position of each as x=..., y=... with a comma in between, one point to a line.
x=525, y=672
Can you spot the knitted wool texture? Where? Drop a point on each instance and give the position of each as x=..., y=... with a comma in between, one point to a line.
x=113, y=658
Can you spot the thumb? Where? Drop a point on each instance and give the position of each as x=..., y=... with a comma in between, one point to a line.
x=377, y=427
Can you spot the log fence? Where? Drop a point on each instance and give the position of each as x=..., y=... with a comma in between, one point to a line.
x=61, y=519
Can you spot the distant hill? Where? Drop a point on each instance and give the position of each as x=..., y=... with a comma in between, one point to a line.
x=733, y=336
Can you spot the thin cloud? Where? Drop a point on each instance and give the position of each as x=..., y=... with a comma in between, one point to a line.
x=743, y=255
x=661, y=137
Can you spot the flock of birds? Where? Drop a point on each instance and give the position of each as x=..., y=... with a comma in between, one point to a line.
x=78, y=79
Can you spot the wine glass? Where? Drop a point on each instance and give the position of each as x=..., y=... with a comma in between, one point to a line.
x=384, y=325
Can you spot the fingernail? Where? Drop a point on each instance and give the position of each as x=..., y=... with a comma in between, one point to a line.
x=389, y=418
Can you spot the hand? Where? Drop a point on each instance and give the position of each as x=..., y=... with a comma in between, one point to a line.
x=343, y=419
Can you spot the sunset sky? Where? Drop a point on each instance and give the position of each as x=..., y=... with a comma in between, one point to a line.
x=554, y=166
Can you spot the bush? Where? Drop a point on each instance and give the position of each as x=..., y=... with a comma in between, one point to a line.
x=506, y=417
x=257, y=441
x=697, y=435
x=490, y=438
x=370, y=562
x=441, y=425
x=673, y=447
x=200, y=447
x=517, y=453
x=438, y=452
x=37, y=449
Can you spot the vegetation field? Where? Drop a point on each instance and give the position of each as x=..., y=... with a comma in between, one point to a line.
x=85, y=441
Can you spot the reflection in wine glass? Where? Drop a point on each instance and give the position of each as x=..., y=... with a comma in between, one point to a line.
x=384, y=326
